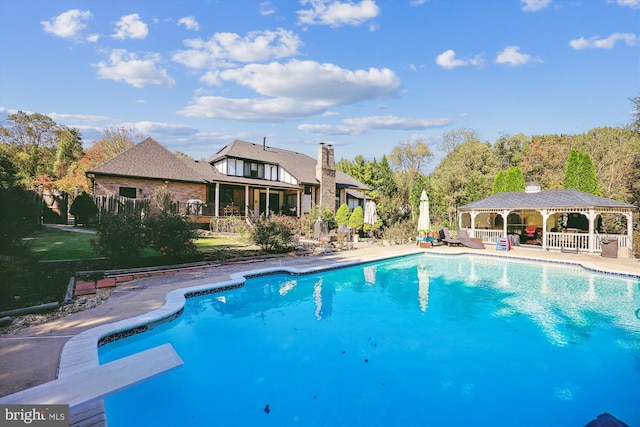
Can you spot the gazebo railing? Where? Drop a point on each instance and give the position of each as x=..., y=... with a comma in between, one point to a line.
x=559, y=241
x=487, y=236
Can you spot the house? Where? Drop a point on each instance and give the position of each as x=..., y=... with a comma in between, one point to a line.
x=241, y=179
x=553, y=219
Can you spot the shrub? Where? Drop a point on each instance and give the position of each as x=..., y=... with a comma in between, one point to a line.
x=172, y=234
x=83, y=208
x=120, y=236
x=18, y=219
x=343, y=215
x=357, y=219
x=274, y=233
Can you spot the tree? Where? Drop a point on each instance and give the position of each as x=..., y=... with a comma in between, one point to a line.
x=356, y=220
x=580, y=173
x=455, y=137
x=635, y=124
x=33, y=139
x=408, y=158
x=499, y=183
x=69, y=151
x=514, y=180
x=83, y=208
x=510, y=148
x=343, y=214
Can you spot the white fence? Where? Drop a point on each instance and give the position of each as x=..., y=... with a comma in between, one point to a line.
x=558, y=241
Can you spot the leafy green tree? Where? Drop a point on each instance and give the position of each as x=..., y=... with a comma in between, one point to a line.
x=463, y=176
x=407, y=159
x=69, y=151
x=456, y=137
x=580, y=173
x=356, y=221
x=33, y=140
x=499, y=183
x=514, y=180
x=509, y=149
x=83, y=208
x=343, y=214
x=635, y=124
x=384, y=184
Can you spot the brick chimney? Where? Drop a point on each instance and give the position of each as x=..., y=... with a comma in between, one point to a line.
x=326, y=174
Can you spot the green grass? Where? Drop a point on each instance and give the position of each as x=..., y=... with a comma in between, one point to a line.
x=51, y=244
x=29, y=281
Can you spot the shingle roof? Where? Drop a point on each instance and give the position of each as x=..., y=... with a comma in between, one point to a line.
x=569, y=198
x=149, y=159
x=297, y=164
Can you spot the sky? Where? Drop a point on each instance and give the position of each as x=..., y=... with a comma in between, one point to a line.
x=363, y=75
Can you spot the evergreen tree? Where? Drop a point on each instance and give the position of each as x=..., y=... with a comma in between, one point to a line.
x=499, y=183
x=580, y=173
x=343, y=214
x=356, y=221
x=514, y=180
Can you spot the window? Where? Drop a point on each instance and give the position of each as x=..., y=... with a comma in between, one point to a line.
x=127, y=192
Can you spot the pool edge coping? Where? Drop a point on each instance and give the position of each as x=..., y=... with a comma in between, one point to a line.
x=81, y=351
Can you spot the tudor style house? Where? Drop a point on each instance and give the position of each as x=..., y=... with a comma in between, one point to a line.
x=241, y=179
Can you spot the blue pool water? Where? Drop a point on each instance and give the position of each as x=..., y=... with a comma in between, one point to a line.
x=418, y=341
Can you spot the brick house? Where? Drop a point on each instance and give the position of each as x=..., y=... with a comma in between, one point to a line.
x=241, y=179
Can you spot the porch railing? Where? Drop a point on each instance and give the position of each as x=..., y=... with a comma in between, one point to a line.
x=580, y=241
x=487, y=236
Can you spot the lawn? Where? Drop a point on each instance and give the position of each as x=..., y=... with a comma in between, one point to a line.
x=59, y=254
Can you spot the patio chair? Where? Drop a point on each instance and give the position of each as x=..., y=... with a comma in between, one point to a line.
x=445, y=237
x=466, y=240
x=530, y=230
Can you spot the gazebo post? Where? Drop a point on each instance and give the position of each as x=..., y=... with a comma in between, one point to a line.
x=505, y=215
x=545, y=217
x=592, y=237
x=629, y=216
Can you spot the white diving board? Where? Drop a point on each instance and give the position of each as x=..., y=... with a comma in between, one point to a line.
x=95, y=383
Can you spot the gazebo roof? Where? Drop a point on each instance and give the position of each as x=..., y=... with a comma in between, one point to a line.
x=545, y=200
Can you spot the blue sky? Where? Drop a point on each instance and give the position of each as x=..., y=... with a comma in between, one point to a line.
x=363, y=75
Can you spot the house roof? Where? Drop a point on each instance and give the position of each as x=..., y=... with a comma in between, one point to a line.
x=149, y=159
x=568, y=198
x=297, y=164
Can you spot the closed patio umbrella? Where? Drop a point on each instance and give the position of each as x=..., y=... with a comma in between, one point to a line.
x=424, y=222
x=370, y=214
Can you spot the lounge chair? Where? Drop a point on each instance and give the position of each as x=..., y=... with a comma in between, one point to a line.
x=465, y=240
x=445, y=237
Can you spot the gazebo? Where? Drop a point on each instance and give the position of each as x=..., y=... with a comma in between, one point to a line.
x=563, y=220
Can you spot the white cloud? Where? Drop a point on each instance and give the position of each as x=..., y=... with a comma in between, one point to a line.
x=68, y=24
x=126, y=67
x=362, y=125
x=254, y=109
x=77, y=117
x=417, y=2
x=130, y=27
x=226, y=49
x=607, y=43
x=294, y=90
x=633, y=4
x=156, y=128
x=189, y=23
x=312, y=80
x=266, y=8
x=447, y=59
x=337, y=13
x=93, y=38
x=511, y=56
x=534, y=5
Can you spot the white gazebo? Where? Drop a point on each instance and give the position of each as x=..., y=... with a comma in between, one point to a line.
x=553, y=219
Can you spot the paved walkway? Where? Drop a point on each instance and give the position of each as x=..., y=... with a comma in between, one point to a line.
x=32, y=356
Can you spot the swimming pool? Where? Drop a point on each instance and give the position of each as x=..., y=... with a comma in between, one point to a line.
x=421, y=340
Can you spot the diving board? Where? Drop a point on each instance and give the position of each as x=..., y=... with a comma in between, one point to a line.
x=77, y=388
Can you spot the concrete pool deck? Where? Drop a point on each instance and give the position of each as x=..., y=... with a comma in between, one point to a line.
x=32, y=356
